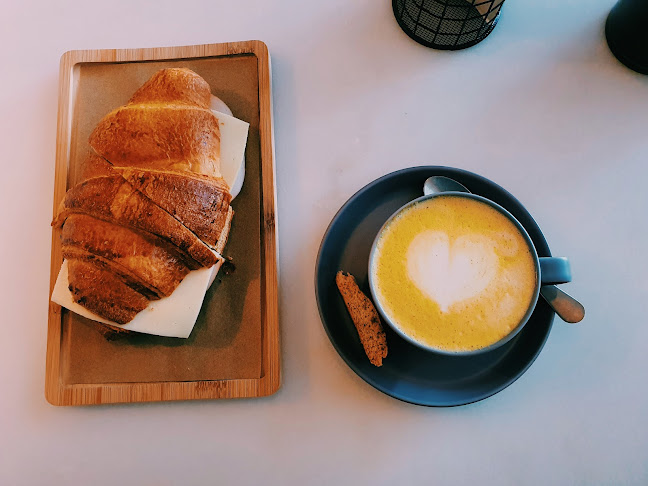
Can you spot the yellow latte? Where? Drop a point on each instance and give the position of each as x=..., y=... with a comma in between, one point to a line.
x=454, y=273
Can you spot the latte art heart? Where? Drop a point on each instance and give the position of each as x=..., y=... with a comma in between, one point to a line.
x=450, y=271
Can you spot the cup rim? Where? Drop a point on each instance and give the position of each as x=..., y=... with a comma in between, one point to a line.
x=471, y=352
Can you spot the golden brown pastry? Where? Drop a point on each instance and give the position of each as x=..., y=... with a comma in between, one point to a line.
x=205, y=214
x=151, y=205
x=138, y=258
x=174, y=85
x=103, y=293
x=114, y=199
x=166, y=125
x=160, y=136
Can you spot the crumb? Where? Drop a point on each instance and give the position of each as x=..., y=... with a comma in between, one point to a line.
x=364, y=316
x=112, y=333
x=228, y=267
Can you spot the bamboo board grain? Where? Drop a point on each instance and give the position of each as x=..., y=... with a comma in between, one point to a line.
x=60, y=391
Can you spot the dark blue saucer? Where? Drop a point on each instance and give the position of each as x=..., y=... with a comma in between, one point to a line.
x=409, y=373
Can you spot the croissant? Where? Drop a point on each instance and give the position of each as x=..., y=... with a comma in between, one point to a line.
x=151, y=205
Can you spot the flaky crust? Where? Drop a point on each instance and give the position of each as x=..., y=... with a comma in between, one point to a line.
x=204, y=212
x=161, y=137
x=139, y=258
x=102, y=292
x=113, y=199
x=174, y=85
x=151, y=204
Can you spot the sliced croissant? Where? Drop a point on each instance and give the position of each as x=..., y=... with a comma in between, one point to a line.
x=204, y=211
x=136, y=257
x=113, y=199
x=151, y=205
x=102, y=292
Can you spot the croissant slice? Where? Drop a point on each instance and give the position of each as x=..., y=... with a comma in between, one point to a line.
x=102, y=292
x=132, y=280
x=205, y=211
x=113, y=199
x=174, y=85
x=137, y=258
x=160, y=136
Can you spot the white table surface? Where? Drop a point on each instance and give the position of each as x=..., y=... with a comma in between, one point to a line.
x=541, y=107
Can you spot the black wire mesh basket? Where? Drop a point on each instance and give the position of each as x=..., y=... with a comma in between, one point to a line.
x=447, y=24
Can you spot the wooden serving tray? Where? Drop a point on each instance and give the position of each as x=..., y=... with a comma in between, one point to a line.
x=234, y=348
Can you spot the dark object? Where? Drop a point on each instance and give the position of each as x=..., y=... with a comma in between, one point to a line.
x=410, y=373
x=447, y=24
x=228, y=267
x=626, y=30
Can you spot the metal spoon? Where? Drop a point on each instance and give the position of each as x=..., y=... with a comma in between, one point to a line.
x=436, y=184
x=564, y=305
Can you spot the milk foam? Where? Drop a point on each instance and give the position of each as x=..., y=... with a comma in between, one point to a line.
x=451, y=271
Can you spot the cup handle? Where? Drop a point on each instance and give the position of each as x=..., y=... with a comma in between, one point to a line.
x=554, y=270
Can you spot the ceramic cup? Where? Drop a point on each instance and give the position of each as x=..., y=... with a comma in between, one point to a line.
x=549, y=270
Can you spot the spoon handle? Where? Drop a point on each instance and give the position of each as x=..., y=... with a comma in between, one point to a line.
x=567, y=308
